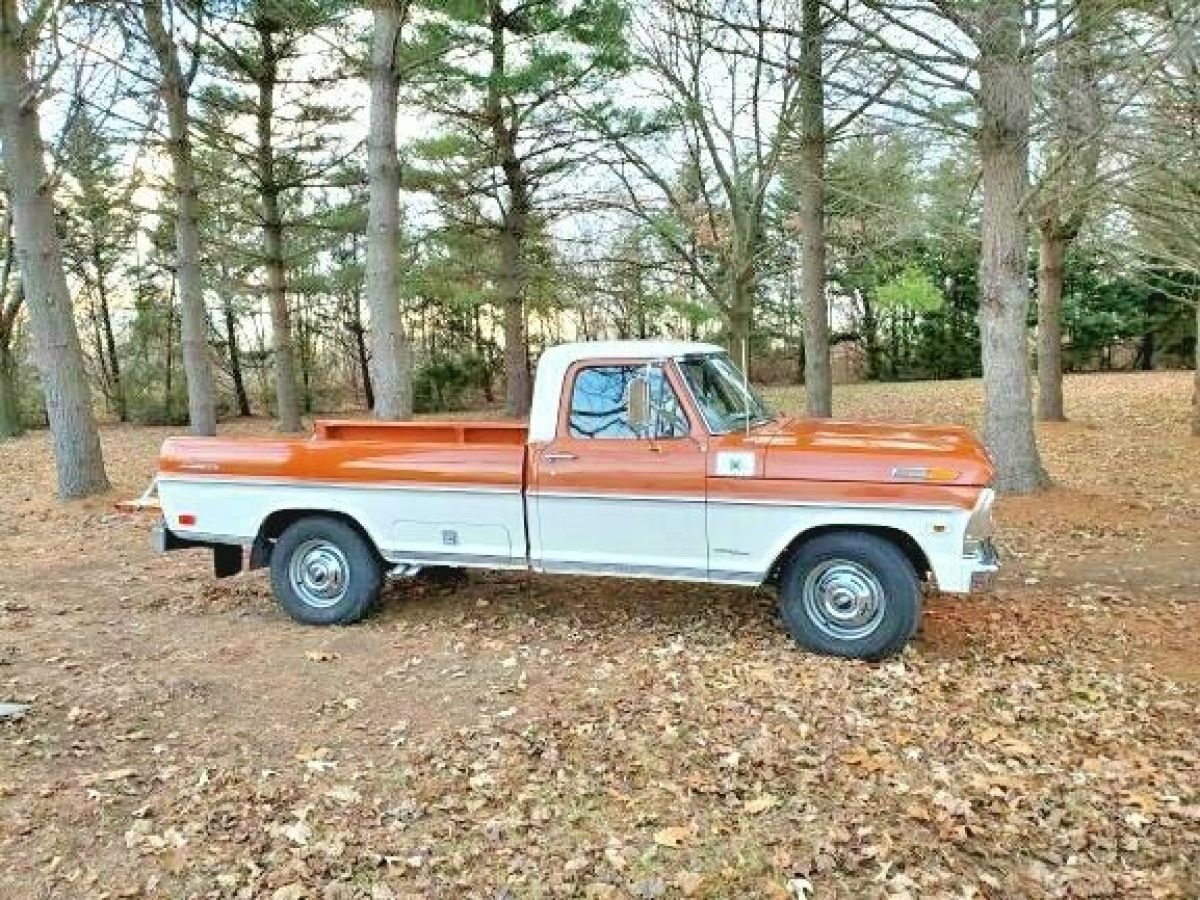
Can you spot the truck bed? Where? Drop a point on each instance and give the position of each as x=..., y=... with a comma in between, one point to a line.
x=479, y=454
x=472, y=433
x=426, y=493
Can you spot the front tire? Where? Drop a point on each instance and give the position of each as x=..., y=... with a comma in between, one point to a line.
x=323, y=572
x=850, y=594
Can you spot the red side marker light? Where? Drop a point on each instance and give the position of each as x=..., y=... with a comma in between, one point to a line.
x=187, y=519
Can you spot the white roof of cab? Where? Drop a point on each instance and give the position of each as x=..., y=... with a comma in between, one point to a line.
x=572, y=353
x=554, y=362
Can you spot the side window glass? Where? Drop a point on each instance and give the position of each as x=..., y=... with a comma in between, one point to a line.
x=600, y=404
x=668, y=411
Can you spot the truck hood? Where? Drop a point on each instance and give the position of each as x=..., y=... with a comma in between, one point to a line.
x=824, y=450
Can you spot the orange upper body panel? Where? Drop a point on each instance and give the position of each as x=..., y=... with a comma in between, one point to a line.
x=818, y=460
x=826, y=450
x=444, y=454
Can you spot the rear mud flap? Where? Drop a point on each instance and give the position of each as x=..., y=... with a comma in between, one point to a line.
x=227, y=558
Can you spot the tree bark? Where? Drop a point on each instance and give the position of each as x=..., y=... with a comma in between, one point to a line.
x=1145, y=360
x=193, y=320
x=485, y=356
x=169, y=357
x=364, y=364
x=512, y=278
x=741, y=316
x=871, y=339
x=287, y=399
x=10, y=398
x=235, y=357
x=1051, y=268
x=110, y=337
x=78, y=458
x=1196, y=377
x=1073, y=159
x=517, y=387
x=818, y=374
x=304, y=357
x=11, y=424
x=1005, y=97
x=391, y=356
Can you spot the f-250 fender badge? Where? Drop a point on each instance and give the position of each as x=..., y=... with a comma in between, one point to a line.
x=735, y=463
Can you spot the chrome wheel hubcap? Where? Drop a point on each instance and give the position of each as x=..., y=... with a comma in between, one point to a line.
x=843, y=599
x=319, y=573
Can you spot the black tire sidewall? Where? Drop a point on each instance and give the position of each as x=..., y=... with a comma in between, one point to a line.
x=902, y=593
x=363, y=584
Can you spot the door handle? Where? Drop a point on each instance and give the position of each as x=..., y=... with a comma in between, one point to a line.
x=558, y=456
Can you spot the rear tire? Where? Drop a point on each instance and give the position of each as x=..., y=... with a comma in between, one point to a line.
x=323, y=572
x=850, y=594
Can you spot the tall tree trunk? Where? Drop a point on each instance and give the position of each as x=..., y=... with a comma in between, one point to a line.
x=193, y=320
x=1196, y=377
x=169, y=356
x=1145, y=359
x=1073, y=159
x=364, y=365
x=871, y=339
x=512, y=276
x=10, y=397
x=110, y=339
x=1005, y=96
x=391, y=356
x=100, y=354
x=287, y=399
x=517, y=387
x=741, y=315
x=1051, y=268
x=482, y=351
x=818, y=373
x=235, y=357
x=304, y=356
x=11, y=424
x=77, y=455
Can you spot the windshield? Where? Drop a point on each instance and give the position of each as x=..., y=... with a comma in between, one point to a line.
x=726, y=399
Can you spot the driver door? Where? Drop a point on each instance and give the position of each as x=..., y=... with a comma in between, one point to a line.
x=609, y=496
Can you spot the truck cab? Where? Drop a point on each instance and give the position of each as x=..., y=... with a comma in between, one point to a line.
x=641, y=459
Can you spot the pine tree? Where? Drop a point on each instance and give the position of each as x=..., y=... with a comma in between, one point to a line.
x=269, y=80
x=507, y=81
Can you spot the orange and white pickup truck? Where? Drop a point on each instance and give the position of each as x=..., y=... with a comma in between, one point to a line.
x=641, y=459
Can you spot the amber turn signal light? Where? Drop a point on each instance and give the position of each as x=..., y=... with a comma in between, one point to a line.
x=924, y=473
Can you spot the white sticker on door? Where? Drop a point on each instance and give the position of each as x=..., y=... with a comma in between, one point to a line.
x=735, y=463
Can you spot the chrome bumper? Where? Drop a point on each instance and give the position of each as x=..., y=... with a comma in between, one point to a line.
x=160, y=539
x=227, y=558
x=983, y=567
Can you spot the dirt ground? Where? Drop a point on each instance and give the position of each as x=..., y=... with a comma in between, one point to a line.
x=601, y=738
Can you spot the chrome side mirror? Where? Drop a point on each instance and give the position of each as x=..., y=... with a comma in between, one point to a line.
x=638, y=399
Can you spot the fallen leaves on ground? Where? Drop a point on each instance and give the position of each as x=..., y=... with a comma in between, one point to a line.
x=607, y=739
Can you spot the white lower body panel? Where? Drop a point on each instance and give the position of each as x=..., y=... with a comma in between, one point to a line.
x=721, y=541
x=632, y=536
x=747, y=537
x=430, y=526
